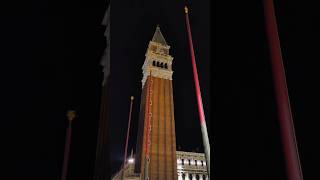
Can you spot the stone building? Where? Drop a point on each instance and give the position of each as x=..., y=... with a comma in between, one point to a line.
x=190, y=166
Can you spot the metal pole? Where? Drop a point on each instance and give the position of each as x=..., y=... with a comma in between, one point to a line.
x=71, y=115
x=294, y=171
x=127, y=139
x=203, y=125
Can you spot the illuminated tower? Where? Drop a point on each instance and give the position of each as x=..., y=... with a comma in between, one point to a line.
x=156, y=123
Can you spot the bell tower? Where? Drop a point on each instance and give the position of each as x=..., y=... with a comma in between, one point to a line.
x=156, y=143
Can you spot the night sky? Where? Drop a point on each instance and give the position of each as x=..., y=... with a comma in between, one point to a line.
x=51, y=56
x=244, y=123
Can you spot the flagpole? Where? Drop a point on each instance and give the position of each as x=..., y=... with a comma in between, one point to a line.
x=293, y=166
x=203, y=125
x=127, y=139
x=71, y=115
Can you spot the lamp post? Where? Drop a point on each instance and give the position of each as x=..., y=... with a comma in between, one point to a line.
x=127, y=139
x=71, y=115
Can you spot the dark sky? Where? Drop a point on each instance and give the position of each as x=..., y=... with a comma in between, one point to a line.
x=51, y=54
x=244, y=124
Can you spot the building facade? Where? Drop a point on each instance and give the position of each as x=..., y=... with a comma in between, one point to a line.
x=190, y=166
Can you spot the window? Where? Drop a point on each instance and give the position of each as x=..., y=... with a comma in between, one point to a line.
x=161, y=65
x=166, y=66
x=154, y=63
x=197, y=176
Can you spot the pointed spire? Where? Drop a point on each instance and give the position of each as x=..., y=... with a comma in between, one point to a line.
x=158, y=37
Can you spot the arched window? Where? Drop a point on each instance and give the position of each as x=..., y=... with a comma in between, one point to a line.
x=203, y=177
x=161, y=65
x=154, y=63
x=197, y=176
x=158, y=64
x=166, y=66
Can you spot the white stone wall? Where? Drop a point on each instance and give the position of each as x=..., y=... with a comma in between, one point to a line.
x=191, y=166
x=149, y=68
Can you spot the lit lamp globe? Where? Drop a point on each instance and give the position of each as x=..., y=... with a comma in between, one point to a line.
x=131, y=160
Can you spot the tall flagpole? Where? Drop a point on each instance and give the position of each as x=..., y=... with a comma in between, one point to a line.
x=127, y=139
x=203, y=125
x=294, y=171
x=71, y=115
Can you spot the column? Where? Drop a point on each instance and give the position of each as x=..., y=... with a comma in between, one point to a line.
x=187, y=176
x=180, y=176
x=207, y=178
